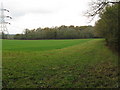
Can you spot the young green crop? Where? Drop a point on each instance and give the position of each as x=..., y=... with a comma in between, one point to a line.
x=39, y=45
x=58, y=63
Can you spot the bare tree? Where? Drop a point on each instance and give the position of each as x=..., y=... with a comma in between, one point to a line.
x=98, y=6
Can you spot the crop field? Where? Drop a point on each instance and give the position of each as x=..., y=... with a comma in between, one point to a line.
x=78, y=63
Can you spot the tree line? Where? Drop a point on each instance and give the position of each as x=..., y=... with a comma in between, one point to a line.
x=62, y=32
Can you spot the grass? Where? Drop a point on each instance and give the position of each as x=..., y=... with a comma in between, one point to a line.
x=58, y=64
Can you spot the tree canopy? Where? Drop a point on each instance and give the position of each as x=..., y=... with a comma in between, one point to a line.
x=108, y=26
x=62, y=32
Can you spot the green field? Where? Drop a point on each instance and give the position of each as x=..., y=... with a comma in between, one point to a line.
x=58, y=63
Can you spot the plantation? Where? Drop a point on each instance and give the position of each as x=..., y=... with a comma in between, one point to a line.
x=58, y=63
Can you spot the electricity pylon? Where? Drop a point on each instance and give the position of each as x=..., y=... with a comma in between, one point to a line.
x=3, y=23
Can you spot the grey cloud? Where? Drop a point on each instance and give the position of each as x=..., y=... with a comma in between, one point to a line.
x=41, y=11
x=19, y=13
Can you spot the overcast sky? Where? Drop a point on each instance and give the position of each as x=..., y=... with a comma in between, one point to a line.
x=45, y=13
